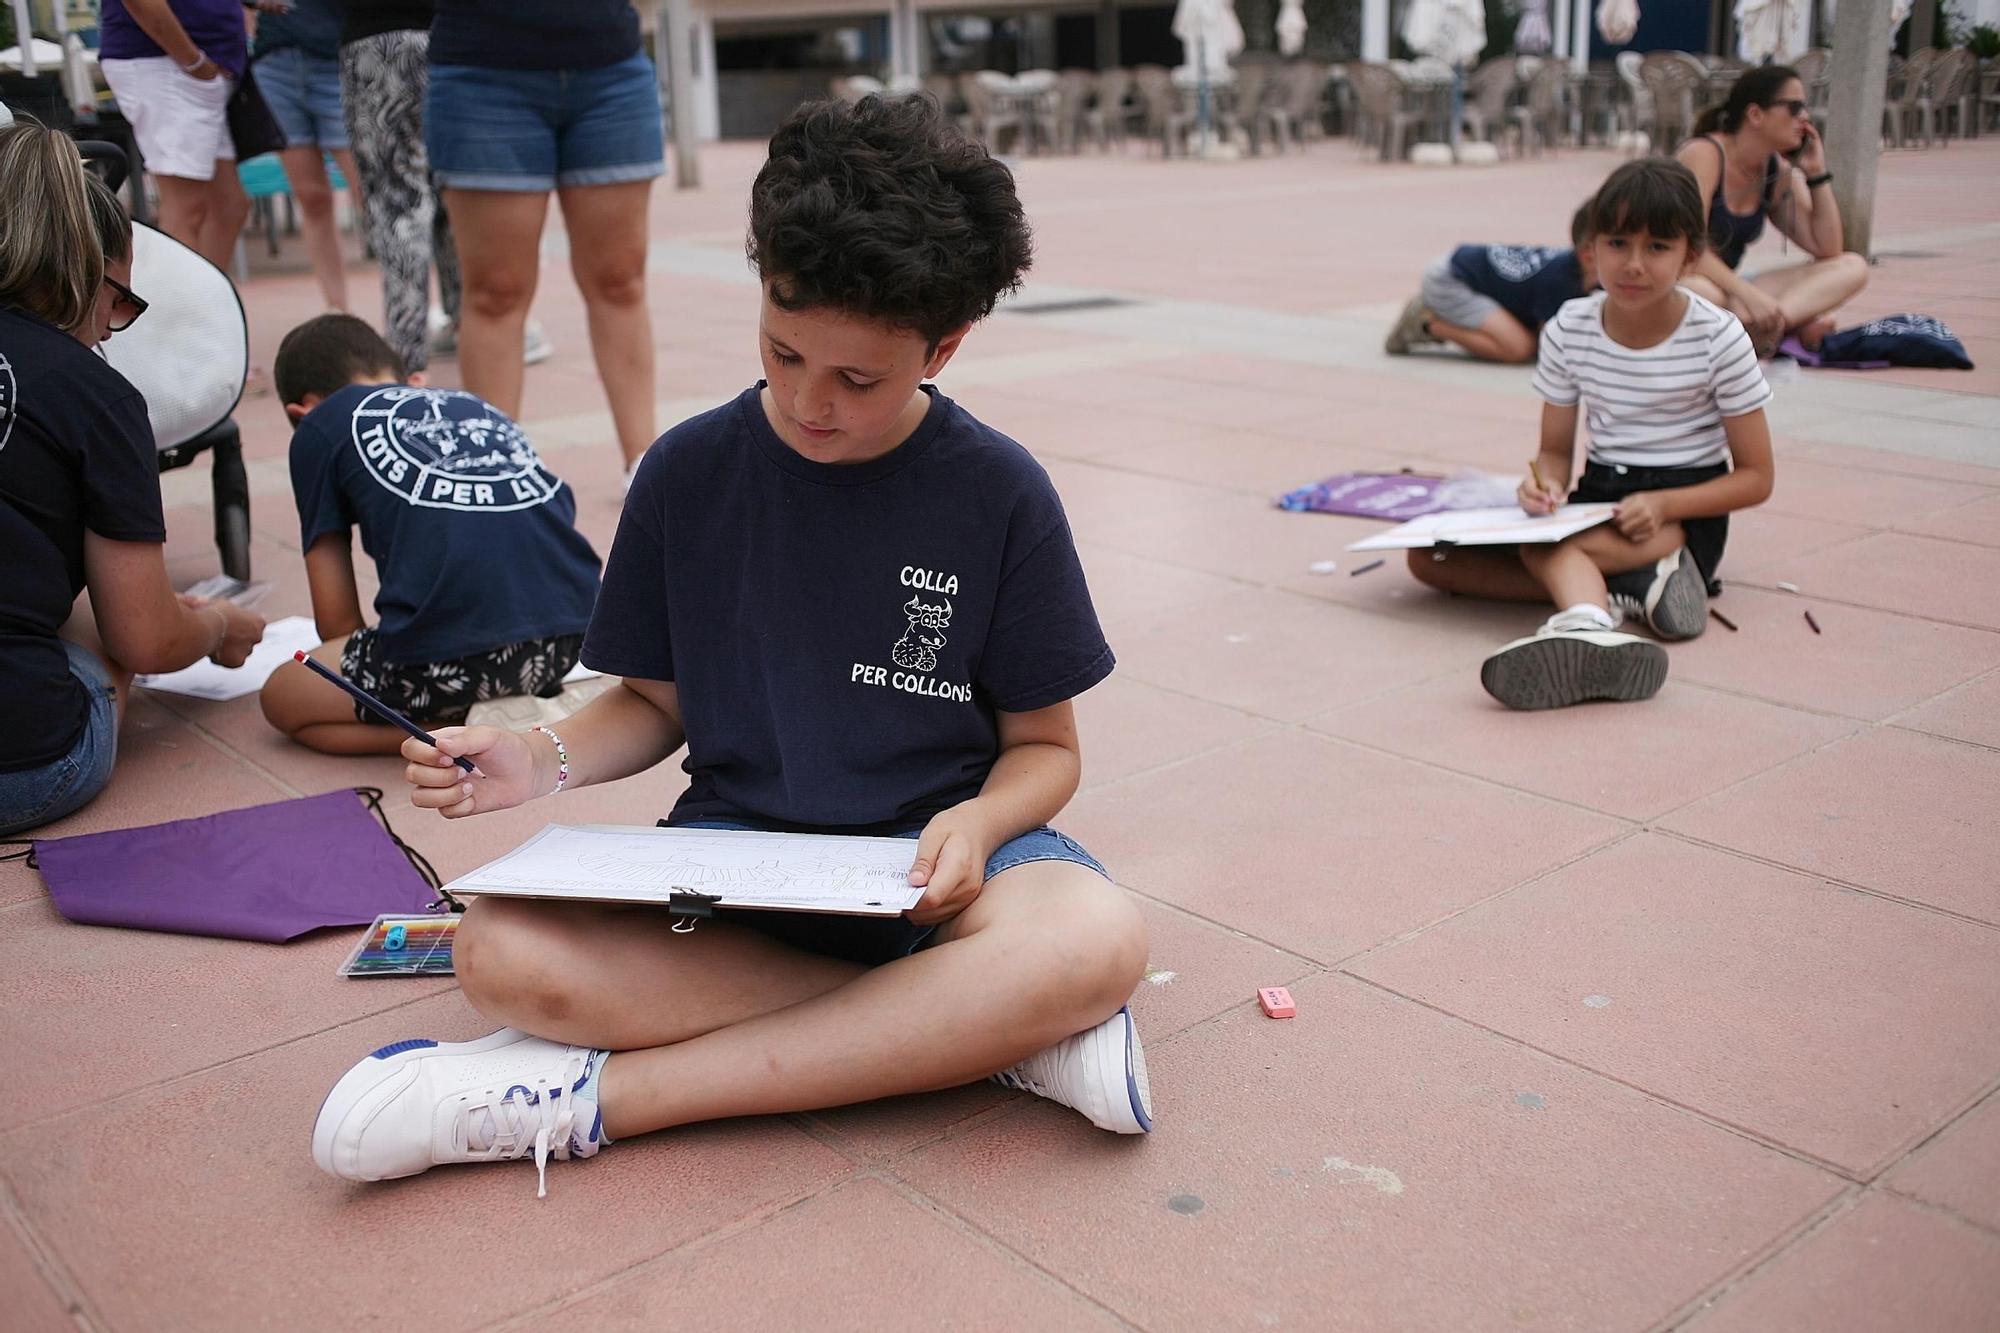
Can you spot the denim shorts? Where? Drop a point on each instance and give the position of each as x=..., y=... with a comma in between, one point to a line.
x=873, y=940
x=36, y=796
x=536, y=129
x=304, y=94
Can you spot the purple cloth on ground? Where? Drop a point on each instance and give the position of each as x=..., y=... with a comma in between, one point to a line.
x=1396, y=496
x=1797, y=350
x=269, y=872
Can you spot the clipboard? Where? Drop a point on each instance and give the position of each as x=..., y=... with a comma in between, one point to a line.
x=693, y=872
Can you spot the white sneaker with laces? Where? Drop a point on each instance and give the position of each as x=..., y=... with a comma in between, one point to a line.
x=1101, y=1073
x=1572, y=658
x=417, y=1104
x=535, y=345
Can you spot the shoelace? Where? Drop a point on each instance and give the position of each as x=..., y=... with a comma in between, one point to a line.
x=541, y=1117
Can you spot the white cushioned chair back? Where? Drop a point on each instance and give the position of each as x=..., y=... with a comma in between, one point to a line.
x=190, y=353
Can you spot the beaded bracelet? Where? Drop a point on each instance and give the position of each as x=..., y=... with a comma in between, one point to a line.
x=562, y=759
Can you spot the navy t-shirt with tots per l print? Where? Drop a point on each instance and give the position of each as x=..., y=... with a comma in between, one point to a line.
x=841, y=635
x=474, y=540
x=1530, y=282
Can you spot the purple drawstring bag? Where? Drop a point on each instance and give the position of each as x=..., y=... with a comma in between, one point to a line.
x=268, y=872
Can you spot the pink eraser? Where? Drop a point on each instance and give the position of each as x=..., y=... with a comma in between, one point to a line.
x=1277, y=1002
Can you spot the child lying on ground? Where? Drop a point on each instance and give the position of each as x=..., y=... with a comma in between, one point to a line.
x=1492, y=300
x=1675, y=401
x=486, y=585
x=861, y=611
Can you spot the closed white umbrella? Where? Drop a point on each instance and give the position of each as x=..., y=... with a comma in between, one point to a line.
x=1532, y=35
x=1291, y=27
x=1210, y=32
x=1452, y=30
x=1617, y=20
x=1764, y=29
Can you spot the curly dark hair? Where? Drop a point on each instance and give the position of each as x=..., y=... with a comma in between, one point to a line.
x=886, y=210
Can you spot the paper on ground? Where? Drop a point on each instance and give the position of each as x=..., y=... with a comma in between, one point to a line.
x=802, y=872
x=1487, y=527
x=206, y=680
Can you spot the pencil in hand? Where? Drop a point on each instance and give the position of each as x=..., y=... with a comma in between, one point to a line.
x=380, y=709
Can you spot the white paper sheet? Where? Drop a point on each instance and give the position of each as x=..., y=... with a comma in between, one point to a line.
x=805, y=872
x=206, y=680
x=1487, y=527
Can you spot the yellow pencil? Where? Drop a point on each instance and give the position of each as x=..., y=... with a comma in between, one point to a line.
x=1536, y=473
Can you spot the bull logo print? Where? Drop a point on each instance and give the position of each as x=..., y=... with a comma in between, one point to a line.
x=917, y=649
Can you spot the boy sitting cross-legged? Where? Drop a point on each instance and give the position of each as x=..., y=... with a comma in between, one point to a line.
x=486, y=585
x=1675, y=402
x=861, y=611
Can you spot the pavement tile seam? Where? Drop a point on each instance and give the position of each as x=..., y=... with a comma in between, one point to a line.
x=1797, y=707
x=48, y=1267
x=1922, y=1204
x=1693, y=1112
x=1807, y=600
x=1940, y=736
x=1746, y=1273
x=735, y=1227
x=22, y=1129
x=187, y=719
x=1881, y=1179
x=1822, y=877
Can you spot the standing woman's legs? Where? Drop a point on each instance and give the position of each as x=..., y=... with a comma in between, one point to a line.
x=382, y=87
x=228, y=210
x=607, y=253
x=305, y=173
x=499, y=235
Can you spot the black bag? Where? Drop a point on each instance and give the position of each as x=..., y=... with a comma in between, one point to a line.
x=252, y=127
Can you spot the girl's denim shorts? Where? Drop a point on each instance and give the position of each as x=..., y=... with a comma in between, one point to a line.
x=873, y=940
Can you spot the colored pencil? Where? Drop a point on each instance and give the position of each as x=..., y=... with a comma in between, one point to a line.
x=1372, y=564
x=1812, y=622
x=1727, y=623
x=380, y=709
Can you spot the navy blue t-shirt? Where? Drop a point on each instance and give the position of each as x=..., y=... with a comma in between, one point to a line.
x=76, y=456
x=1530, y=282
x=534, y=34
x=841, y=634
x=311, y=25
x=474, y=540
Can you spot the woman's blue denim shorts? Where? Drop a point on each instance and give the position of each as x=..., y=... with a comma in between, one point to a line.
x=35, y=796
x=873, y=940
x=536, y=129
x=303, y=92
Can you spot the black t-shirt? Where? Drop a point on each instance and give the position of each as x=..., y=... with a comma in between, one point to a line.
x=534, y=34
x=367, y=18
x=474, y=540
x=76, y=453
x=1530, y=282
x=841, y=634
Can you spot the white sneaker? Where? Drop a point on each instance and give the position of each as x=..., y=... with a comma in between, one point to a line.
x=444, y=335
x=535, y=345
x=1670, y=595
x=1101, y=1073
x=417, y=1104
x=1573, y=658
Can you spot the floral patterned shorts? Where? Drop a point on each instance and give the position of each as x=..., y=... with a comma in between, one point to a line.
x=444, y=692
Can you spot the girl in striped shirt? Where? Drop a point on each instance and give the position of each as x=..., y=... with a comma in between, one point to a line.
x=1675, y=399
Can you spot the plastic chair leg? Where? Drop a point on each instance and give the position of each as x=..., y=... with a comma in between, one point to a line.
x=229, y=484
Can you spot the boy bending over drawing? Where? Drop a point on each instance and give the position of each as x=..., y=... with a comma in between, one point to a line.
x=862, y=612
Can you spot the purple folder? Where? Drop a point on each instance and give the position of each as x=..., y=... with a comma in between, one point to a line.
x=1395, y=496
x=269, y=872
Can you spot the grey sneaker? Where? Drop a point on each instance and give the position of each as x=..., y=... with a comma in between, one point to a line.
x=1101, y=1073
x=1409, y=330
x=535, y=345
x=1670, y=596
x=1572, y=659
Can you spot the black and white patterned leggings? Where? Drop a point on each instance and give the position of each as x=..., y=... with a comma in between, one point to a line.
x=382, y=81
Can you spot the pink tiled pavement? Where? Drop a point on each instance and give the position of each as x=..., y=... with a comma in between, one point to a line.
x=1779, y=874
x=1698, y=977
x=1947, y=1277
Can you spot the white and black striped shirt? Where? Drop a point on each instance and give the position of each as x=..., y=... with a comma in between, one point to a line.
x=1658, y=406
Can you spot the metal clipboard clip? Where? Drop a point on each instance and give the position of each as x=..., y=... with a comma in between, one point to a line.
x=690, y=907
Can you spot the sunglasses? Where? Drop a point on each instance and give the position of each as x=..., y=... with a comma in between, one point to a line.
x=128, y=299
x=1794, y=105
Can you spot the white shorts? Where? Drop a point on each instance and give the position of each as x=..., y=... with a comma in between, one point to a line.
x=181, y=123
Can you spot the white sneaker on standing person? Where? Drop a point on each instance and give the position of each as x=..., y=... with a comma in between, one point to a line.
x=1678, y=441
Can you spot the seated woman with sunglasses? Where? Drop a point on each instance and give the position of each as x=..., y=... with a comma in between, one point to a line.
x=1757, y=155
x=79, y=493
